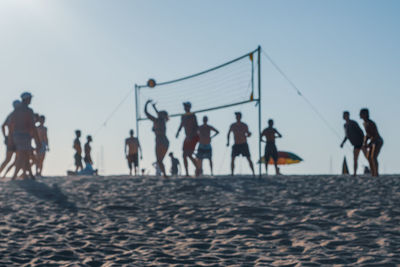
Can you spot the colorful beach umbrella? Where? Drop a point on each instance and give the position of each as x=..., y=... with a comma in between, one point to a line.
x=284, y=158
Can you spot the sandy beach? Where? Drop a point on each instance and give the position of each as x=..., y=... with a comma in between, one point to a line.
x=235, y=221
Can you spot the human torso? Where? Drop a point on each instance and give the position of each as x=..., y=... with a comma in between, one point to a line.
x=189, y=122
x=371, y=130
x=88, y=149
x=42, y=133
x=22, y=120
x=239, y=130
x=205, y=134
x=133, y=145
x=77, y=146
x=159, y=126
x=269, y=133
x=354, y=132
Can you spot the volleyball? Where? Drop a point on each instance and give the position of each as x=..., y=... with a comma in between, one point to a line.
x=151, y=83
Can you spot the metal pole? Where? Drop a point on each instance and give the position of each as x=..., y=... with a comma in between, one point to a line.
x=259, y=109
x=137, y=120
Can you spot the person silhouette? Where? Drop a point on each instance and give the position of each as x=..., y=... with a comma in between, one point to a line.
x=271, y=151
x=78, y=151
x=132, y=146
x=204, y=150
x=240, y=132
x=375, y=144
x=159, y=129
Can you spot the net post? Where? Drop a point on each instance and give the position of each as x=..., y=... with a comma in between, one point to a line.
x=259, y=108
x=137, y=121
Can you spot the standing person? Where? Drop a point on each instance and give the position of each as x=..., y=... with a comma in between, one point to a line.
x=133, y=146
x=159, y=129
x=204, y=151
x=174, y=164
x=353, y=133
x=271, y=151
x=9, y=145
x=189, y=122
x=88, y=149
x=240, y=133
x=375, y=141
x=22, y=129
x=78, y=151
x=44, y=141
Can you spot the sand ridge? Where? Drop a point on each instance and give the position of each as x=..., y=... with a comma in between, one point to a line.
x=236, y=221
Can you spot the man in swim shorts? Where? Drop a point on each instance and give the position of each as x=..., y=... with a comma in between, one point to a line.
x=204, y=150
x=271, y=151
x=355, y=135
x=240, y=132
x=132, y=146
x=189, y=122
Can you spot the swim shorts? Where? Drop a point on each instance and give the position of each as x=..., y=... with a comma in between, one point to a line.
x=133, y=159
x=189, y=145
x=204, y=151
x=240, y=149
x=271, y=152
x=22, y=141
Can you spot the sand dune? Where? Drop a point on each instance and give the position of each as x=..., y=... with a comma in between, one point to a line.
x=284, y=221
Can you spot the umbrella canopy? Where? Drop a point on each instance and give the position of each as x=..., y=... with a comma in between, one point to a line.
x=284, y=158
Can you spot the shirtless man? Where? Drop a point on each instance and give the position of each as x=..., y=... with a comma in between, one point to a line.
x=189, y=122
x=240, y=133
x=88, y=149
x=78, y=151
x=353, y=133
x=22, y=129
x=44, y=141
x=132, y=145
x=375, y=142
x=204, y=151
x=271, y=134
x=10, y=146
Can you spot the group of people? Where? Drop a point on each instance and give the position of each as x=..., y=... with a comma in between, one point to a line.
x=370, y=143
x=22, y=126
x=202, y=135
x=79, y=170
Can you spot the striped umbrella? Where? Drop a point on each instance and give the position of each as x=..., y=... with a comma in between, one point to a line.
x=284, y=158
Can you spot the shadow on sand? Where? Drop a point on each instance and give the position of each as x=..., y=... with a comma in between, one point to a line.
x=47, y=193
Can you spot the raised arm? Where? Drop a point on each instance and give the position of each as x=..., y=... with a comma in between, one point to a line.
x=149, y=116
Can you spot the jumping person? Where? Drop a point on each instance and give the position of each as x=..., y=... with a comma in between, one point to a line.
x=44, y=141
x=353, y=133
x=204, y=150
x=159, y=128
x=189, y=122
x=240, y=133
x=375, y=141
x=22, y=129
x=271, y=151
x=78, y=151
x=174, y=164
x=10, y=146
x=132, y=145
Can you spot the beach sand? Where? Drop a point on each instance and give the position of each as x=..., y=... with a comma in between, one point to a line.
x=236, y=221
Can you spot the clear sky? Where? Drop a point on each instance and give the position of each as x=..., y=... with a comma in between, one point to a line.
x=80, y=58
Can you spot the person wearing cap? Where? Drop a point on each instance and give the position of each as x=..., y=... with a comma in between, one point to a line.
x=189, y=122
x=240, y=132
x=22, y=129
x=7, y=139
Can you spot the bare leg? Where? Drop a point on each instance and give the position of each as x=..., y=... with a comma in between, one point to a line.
x=233, y=165
x=211, y=167
x=251, y=165
x=266, y=167
x=160, y=154
x=6, y=161
x=356, y=153
x=276, y=167
x=200, y=165
x=19, y=159
x=185, y=163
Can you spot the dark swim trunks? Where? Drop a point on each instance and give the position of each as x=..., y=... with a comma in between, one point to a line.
x=189, y=145
x=9, y=144
x=204, y=151
x=133, y=159
x=78, y=159
x=271, y=151
x=22, y=141
x=240, y=149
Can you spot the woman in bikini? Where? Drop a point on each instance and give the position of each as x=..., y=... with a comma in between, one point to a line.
x=159, y=128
